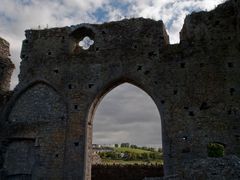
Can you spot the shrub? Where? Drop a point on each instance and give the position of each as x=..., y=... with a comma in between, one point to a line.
x=215, y=150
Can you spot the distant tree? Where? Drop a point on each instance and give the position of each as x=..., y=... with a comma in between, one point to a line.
x=155, y=155
x=102, y=155
x=134, y=146
x=151, y=149
x=125, y=145
x=116, y=145
x=134, y=156
x=145, y=156
x=160, y=150
x=114, y=155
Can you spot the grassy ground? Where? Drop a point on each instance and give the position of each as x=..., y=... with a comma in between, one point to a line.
x=123, y=162
x=125, y=149
x=127, y=162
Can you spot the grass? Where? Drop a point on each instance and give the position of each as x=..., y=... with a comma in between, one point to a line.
x=109, y=161
x=126, y=149
x=122, y=162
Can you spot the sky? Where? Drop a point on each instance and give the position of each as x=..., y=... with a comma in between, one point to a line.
x=127, y=114
x=18, y=15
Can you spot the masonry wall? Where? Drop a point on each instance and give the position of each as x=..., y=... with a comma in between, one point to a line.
x=6, y=66
x=4, y=48
x=6, y=69
x=194, y=84
x=126, y=172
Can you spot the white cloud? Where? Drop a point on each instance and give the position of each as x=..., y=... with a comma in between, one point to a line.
x=170, y=11
x=114, y=14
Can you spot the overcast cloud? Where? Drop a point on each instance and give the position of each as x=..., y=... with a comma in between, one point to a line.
x=127, y=114
x=18, y=15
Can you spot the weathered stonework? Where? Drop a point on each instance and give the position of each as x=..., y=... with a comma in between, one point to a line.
x=46, y=125
x=6, y=66
x=6, y=69
x=213, y=168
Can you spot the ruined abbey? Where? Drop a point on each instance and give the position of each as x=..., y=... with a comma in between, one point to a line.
x=46, y=121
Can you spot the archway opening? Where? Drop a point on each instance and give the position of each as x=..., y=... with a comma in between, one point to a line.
x=127, y=136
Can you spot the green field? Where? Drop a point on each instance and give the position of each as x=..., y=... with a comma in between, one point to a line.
x=123, y=162
x=126, y=149
x=134, y=156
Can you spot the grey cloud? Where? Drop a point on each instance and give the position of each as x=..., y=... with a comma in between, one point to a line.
x=132, y=113
x=130, y=104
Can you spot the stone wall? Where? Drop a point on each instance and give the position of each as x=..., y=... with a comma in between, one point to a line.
x=126, y=172
x=6, y=66
x=194, y=84
x=4, y=48
x=6, y=69
x=213, y=168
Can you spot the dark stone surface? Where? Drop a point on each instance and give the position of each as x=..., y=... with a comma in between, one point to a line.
x=213, y=169
x=125, y=172
x=195, y=85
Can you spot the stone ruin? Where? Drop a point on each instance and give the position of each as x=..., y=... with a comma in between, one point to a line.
x=46, y=121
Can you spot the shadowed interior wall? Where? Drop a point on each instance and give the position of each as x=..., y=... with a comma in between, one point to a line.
x=37, y=138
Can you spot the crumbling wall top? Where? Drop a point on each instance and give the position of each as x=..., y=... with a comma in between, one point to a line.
x=204, y=26
x=129, y=37
x=125, y=28
x=4, y=48
x=6, y=66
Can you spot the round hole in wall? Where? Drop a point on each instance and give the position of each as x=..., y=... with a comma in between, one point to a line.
x=86, y=42
x=56, y=71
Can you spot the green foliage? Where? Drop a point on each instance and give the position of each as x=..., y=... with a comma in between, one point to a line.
x=132, y=154
x=145, y=156
x=124, y=149
x=160, y=150
x=110, y=155
x=134, y=146
x=215, y=150
x=125, y=145
x=134, y=162
x=155, y=155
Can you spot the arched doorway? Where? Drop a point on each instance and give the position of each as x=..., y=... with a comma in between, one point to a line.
x=124, y=105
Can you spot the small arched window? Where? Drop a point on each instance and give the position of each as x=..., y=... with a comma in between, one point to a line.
x=84, y=37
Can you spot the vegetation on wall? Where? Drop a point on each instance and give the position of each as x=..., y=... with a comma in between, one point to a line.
x=215, y=150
